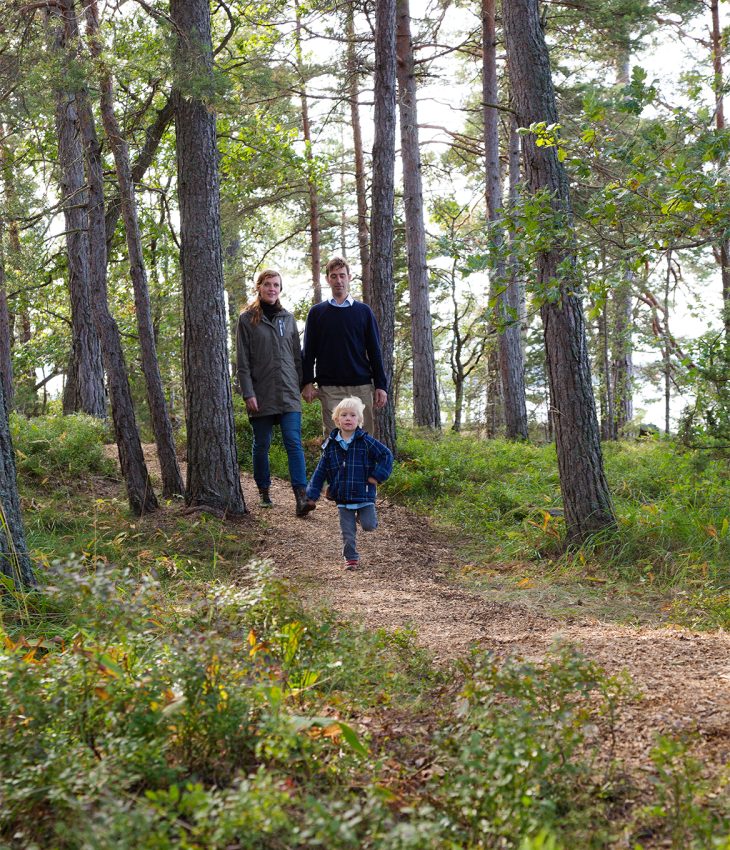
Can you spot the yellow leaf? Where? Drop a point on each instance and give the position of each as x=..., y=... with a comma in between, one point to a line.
x=525, y=582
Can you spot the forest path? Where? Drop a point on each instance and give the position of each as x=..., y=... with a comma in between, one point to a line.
x=409, y=579
x=683, y=676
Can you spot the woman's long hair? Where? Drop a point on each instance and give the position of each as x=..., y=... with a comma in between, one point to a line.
x=253, y=309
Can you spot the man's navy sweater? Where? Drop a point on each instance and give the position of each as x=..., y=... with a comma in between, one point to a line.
x=342, y=347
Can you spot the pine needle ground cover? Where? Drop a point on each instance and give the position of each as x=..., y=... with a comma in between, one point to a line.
x=672, y=543
x=162, y=690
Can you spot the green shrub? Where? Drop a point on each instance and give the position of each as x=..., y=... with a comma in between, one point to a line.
x=514, y=760
x=188, y=706
x=228, y=717
x=685, y=808
x=60, y=446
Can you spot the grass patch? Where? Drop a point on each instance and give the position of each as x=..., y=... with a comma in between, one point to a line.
x=60, y=448
x=162, y=691
x=503, y=499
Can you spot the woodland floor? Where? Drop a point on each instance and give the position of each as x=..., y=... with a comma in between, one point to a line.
x=409, y=578
x=412, y=576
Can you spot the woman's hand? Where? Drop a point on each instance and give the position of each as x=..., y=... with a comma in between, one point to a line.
x=252, y=405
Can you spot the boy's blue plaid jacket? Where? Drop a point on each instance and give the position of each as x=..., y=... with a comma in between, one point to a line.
x=347, y=472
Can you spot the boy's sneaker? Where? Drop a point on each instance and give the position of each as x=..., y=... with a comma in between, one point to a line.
x=352, y=564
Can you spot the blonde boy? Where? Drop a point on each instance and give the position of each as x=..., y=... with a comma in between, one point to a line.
x=352, y=463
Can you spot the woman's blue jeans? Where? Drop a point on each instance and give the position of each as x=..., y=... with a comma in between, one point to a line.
x=291, y=435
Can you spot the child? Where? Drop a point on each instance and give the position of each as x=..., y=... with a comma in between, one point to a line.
x=353, y=463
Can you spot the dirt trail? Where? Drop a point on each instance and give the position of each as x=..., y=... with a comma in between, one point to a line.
x=404, y=581
x=684, y=676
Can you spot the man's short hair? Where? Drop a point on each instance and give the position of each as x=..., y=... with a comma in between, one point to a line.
x=336, y=263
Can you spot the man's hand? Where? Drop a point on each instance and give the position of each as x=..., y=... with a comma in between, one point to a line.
x=381, y=399
x=252, y=405
x=309, y=393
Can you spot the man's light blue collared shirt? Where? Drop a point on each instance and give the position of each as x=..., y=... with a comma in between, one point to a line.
x=346, y=303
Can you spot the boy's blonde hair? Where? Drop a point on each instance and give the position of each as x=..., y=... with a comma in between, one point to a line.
x=350, y=403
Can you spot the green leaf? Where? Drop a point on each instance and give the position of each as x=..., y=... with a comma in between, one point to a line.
x=350, y=736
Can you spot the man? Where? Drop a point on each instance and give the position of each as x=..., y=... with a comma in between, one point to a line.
x=342, y=351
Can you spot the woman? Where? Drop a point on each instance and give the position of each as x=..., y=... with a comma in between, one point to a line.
x=269, y=377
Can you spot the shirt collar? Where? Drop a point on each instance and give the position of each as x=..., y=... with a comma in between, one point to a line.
x=346, y=303
x=342, y=441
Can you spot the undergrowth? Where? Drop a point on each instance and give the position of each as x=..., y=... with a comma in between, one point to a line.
x=60, y=447
x=504, y=499
x=162, y=690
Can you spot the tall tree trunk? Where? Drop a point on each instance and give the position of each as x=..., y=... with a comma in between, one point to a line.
x=516, y=282
x=9, y=214
x=172, y=483
x=608, y=411
x=15, y=561
x=494, y=413
x=722, y=249
x=667, y=348
x=586, y=498
x=622, y=365
x=24, y=389
x=363, y=231
x=458, y=402
x=311, y=181
x=6, y=360
x=494, y=407
x=381, y=225
x=342, y=195
x=622, y=360
x=457, y=367
x=131, y=458
x=213, y=478
x=25, y=382
x=85, y=385
x=153, y=137
x=511, y=365
x=426, y=411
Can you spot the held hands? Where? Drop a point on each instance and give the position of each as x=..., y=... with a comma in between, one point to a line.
x=381, y=399
x=309, y=393
x=371, y=480
x=252, y=406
